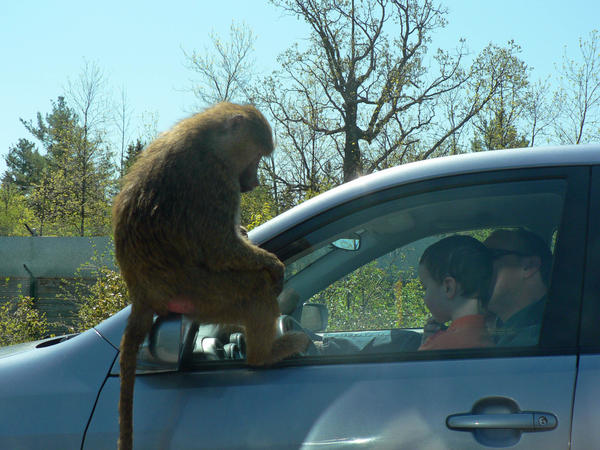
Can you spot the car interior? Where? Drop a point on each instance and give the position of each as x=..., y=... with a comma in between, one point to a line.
x=406, y=226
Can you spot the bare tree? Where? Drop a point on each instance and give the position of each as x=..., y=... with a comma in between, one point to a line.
x=122, y=121
x=364, y=79
x=579, y=94
x=88, y=96
x=540, y=113
x=226, y=68
x=303, y=162
x=148, y=130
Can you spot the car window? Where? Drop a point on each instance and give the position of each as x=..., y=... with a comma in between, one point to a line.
x=369, y=296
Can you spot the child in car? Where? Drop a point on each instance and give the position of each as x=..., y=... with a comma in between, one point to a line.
x=456, y=273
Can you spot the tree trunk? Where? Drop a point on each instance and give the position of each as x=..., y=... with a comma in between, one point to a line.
x=352, y=157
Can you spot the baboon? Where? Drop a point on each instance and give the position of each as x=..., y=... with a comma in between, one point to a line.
x=178, y=240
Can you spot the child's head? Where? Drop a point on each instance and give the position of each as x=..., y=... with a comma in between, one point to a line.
x=453, y=270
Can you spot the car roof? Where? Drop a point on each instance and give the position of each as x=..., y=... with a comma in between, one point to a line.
x=573, y=155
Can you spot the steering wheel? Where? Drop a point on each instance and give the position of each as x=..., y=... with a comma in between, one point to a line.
x=287, y=323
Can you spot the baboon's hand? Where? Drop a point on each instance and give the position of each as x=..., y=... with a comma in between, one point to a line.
x=300, y=341
x=291, y=343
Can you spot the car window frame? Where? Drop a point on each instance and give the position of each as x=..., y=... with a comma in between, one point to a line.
x=589, y=339
x=559, y=334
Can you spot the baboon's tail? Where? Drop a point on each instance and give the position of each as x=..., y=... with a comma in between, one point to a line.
x=138, y=325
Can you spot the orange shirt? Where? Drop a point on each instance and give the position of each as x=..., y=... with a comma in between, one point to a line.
x=464, y=332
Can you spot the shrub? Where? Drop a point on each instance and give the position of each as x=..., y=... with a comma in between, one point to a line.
x=104, y=298
x=98, y=289
x=21, y=322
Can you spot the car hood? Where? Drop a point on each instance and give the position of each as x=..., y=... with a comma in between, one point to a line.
x=29, y=346
x=18, y=348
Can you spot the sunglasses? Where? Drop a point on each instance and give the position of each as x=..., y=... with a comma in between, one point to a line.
x=499, y=253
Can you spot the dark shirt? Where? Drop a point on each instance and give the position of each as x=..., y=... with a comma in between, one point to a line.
x=522, y=329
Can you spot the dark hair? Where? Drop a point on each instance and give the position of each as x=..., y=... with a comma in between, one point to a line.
x=463, y=258
x=523, y=242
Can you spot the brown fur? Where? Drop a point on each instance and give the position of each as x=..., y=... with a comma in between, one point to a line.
x=177, y=237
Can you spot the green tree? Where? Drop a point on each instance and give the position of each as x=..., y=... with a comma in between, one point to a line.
x=24, y=165
x=497, y=134
x=256, y=207
x=53, y=129
x=14, y=212
x=73, y=194
x=496, y=124
x=90, y=157
x=133, y=150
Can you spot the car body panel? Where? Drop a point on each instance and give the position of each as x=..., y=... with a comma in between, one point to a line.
x=377, y=405
x=112, y=329
x=586, y=412
x=48, y=393
x=11, y=350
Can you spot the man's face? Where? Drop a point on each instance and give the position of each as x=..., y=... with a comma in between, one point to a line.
x=507, y=278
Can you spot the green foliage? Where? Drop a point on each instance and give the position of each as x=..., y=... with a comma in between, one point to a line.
x=366, y=299
x=14, y=213
x=256, y=207
x=496, y=134
x=104, y=298
x=99, y=289
x=21, y=322
x=321, y=186
x=496, y=125
x=133, y=150
x=24, y=165
x=375, y=296
x=412, y=312
x=72, y=196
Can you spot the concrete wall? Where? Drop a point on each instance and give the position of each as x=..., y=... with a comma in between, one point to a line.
x=39, y=266
x=49, y=256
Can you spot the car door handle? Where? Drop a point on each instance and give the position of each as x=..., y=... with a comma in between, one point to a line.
x=523, y=421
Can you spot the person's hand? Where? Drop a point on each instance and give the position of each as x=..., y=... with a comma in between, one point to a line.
x=431, y=327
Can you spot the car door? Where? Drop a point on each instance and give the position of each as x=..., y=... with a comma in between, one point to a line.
x=586, y=412
x=364, y=384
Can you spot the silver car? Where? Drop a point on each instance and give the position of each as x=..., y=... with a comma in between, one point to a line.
x=351, y=257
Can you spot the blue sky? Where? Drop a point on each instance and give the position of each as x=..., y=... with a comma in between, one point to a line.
x=138, y=45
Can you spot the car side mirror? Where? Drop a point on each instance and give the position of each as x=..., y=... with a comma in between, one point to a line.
x=314, y=316
x=161, y=351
